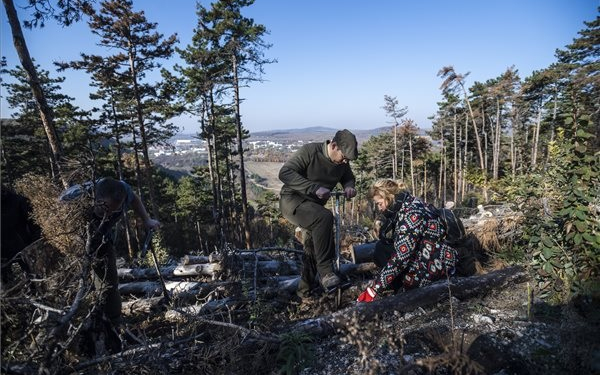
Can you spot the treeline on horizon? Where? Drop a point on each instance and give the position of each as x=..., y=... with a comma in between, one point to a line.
x=529, y=142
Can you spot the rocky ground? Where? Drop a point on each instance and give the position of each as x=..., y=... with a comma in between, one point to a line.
x=500, y=333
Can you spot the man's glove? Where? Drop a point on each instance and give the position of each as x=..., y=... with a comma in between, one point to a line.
x=323, y=193
x=350, y=192
x=367, y=296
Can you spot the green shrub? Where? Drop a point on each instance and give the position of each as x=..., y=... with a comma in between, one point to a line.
x=295, y=353
x=562, y=209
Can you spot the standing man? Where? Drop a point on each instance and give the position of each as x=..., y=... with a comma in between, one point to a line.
x=111, y=199
x=308, y=178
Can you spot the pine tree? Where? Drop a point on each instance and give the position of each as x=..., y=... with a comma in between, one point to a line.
x=140, y=48
x=25, y=147
x=238, y=40
x=45, y=110
x=396, y=113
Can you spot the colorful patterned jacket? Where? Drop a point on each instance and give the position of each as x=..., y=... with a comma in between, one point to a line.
x=420, y=254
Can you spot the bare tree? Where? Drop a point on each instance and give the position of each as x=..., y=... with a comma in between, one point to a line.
x=451, y=80
x=391, y=109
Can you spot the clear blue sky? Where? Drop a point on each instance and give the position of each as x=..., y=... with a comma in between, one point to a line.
x=338, y=58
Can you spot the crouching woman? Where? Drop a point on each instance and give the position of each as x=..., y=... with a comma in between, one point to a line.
x=411, y=250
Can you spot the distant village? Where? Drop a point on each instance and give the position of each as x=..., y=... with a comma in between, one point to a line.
x=193, y=145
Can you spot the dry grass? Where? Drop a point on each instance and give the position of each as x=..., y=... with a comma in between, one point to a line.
x=488, y=235
x=60, y=223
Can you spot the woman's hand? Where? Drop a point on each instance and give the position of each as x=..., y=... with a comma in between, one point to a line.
x=367, y=296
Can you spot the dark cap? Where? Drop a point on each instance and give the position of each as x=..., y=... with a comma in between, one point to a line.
x=346, y=142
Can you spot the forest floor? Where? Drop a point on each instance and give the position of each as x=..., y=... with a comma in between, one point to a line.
x=501, y=332
x=498, y=333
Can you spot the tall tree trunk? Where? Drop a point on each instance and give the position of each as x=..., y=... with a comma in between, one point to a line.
x=224, y=229
x=395, y=158
x=536, y=137
x=412, y=171
x=238, y=124
x=456, y=160
x=138, y=173
x=233, y=214
x=445, y=181
x=402, y=169
x=144, y=138
x=478, y=141
x=199, y=234
x=513, y=150
x=496, y=168
x=485, y=138
x=477, y=138
x=442, y=156
x=204, y=115
x=46, y=113
x=465, y=159
x=425, y=180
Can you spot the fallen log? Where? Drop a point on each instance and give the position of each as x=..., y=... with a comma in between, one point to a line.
x=290, y=284
x=150, y=288
x=182, y=313
x=272, y=267
x=194, y=259
x=131, y=274
x=269, y=267
x=246, y=256
x=461, y=288
x=207, y=269
x=362, y=253
x=216, y=258
x=141, y=306
x=154, y=288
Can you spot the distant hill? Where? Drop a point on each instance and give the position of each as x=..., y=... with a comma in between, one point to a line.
x=313, y=134
x=309, y=134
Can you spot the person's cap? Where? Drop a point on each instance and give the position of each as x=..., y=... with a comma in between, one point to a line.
x=346, y=141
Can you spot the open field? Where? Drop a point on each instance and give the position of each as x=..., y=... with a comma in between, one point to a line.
x=268, y=172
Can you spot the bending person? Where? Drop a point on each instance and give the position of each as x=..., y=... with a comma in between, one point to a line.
x=411, y=249
x=111, y=199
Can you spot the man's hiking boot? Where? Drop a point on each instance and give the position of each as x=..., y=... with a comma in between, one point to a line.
x=330, y=281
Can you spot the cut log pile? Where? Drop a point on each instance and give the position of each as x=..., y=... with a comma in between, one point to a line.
x=196, y=283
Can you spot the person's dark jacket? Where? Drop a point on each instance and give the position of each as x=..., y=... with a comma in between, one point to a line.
x=310, y=168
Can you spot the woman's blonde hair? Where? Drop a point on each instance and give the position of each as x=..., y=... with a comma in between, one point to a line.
x=386, y=189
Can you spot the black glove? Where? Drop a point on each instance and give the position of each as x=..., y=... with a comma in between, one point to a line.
x=350, y=192
x=323, y=193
